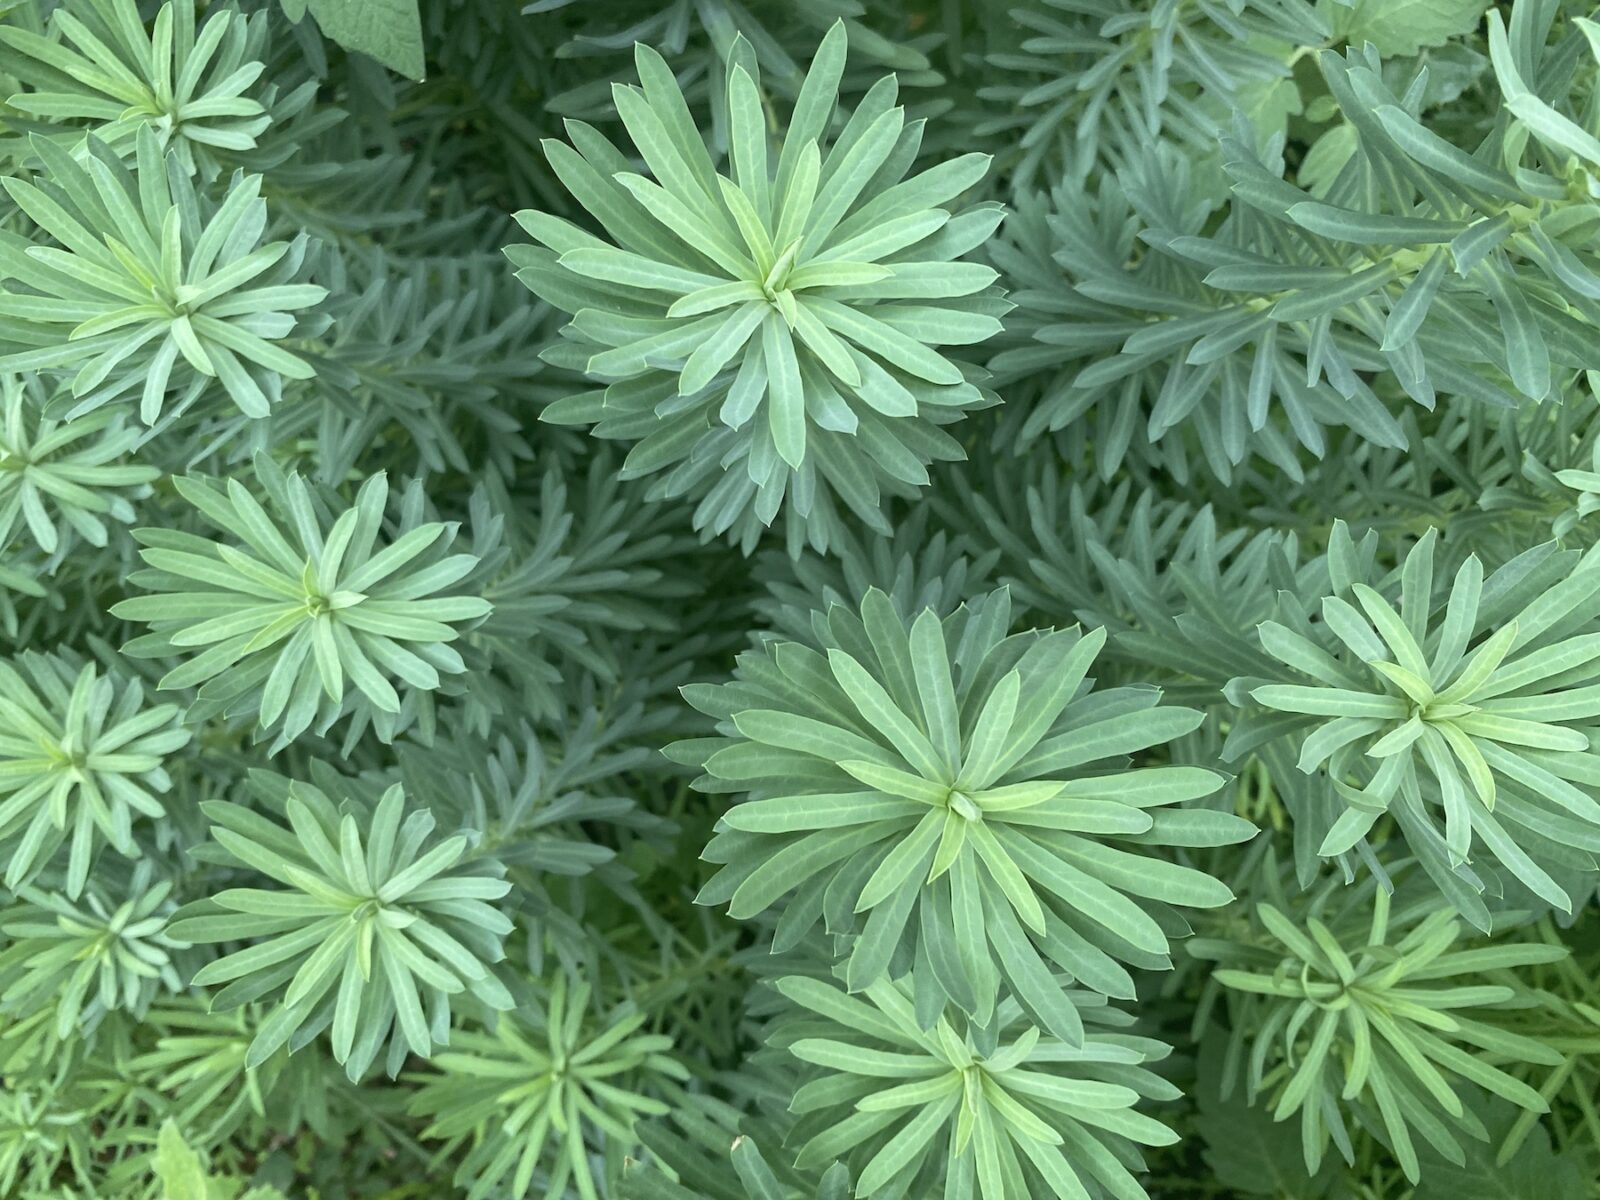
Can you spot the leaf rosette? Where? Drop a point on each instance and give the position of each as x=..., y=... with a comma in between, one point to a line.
x=773, y=336
x=959, y=802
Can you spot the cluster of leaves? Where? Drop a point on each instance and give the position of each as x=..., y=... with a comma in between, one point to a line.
x=787, y=319
x=848, y=600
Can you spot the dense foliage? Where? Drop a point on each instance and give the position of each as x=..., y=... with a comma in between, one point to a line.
x=843, y=600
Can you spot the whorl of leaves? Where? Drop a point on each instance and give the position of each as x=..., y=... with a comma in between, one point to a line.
x=1473, y=699
x=951, y=794
x=372, y=926
x=281, y=630
x=82, y=755
x=1355, y=1006
x=150, y=289
x=770, y=336
x=189, y=81
x=1002, y=1111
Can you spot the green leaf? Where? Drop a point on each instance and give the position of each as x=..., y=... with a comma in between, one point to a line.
x=178, y=1167
x=388, y=30
x=1404, y=27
